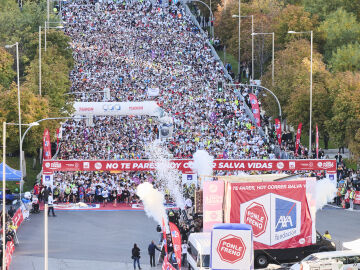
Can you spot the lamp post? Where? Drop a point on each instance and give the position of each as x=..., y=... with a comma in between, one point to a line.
x=4, y=188
x=19, y=98
x=252, y=42
x=40, y=60
x=273, y=52
x=311, y=76
x=53, y=27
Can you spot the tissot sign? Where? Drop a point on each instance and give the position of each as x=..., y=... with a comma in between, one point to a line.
x=186, y=165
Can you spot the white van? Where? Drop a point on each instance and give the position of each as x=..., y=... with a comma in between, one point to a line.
x=198, y=251
x=347, y=259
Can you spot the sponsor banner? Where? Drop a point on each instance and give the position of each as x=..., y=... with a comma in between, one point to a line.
x=176, y=241
x=356, y=199
x=278, y=130
x=278, y=213
x=9, y=251
x=117, y=108
x=18, y=218
x=48, y=179
x=213, y=194
x=298, y=136
x=166, y=265
x=153, y=92
x=186, y=165
x=317, y=142
x=231, y=248
x=46, y=145
x=164, y=237
x=255, y=108
x=189, y=179
x=76, y=206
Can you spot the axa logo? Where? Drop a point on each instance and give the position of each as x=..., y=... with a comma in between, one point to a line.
x=285, y=214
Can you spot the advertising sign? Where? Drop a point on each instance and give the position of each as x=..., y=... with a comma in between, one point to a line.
x=213, y=194
x=176, y=241
x=189, y=179
x=278, y=130
x=118, y=108
x=231, y=247
x=255, y=108
x=277, y=211
x=298, y=137
x=46, y=144
x=48, y=179
x=186, y=165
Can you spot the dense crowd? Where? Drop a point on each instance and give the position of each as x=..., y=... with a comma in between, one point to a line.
x=130, y=47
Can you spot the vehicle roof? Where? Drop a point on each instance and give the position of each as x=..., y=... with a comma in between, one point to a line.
x=201, y=241
x=332, y=254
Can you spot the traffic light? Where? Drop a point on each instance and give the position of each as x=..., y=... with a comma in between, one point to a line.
x=220, y=86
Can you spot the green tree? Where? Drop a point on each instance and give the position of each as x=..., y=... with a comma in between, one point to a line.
x=344, y=126
x=346, y=58
x=338, y=29
x=7, y=73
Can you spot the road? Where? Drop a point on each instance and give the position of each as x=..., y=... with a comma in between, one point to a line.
x=89, y=240
x=95, y=240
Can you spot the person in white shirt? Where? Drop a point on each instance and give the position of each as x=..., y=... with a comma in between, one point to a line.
x=105, y=195
x=51, y=204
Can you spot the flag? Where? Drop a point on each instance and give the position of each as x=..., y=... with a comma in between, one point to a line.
x=46, y=144
x=166, y=265
x=176, y=240
x=298, y=136
x=278, y=130
x=317, y=142
x=164, y=236
x=57, y=138
x=255, y=108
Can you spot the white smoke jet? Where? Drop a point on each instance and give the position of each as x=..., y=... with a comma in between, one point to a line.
x=353, y=245
x=168, y=177
x=153, y=201
x=325, y=192
x=203, y=163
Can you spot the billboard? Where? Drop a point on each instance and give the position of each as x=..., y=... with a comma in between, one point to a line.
x=186, y=165
x=213, y=194
x=280, y=213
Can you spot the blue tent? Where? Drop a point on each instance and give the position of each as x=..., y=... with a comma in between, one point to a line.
x=10, y=173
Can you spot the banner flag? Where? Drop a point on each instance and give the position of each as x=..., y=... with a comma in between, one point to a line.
x=57, y=138
x=166, y=265
x=317, y=142
x=46, y=144
x=176, y=240
x=298, y=136
x=255, y=108
x=164, y=236
x=213, y=194
x=278, y=130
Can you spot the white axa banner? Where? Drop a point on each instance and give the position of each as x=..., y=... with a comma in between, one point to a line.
x=118, y=108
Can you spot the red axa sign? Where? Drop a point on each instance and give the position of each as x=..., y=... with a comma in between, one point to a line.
x=231, y=248
x=255, y=215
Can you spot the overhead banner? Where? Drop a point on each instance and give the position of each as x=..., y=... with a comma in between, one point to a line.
x=277, y=211
x=118, y=108
x=255, y=108
x=278, y=130
x=46, y=145
x=186, y=165
x=298, y=136
x=176, y=241
x=213, y=194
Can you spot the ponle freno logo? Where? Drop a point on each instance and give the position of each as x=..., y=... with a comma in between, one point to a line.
x=98, y=165
x=213, y=188
x=231, y=248
x=255, y=215
x=280, y=165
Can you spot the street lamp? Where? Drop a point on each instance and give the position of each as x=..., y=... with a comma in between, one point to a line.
x=18, y=92
x=239, y=58
x=53, y=27
x=252, y=42
x=4, y=188
x=273, y=52
x=311, y=75
x=39, y=60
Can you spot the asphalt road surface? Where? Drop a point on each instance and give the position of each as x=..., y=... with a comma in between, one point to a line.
x=91, y=240
x=94, y=240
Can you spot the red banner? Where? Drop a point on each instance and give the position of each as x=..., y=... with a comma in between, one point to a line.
x=10, y=248
x=176, y=241
x=213, y=194
x=186, y=165
x=164, y=236
x=298, y=136
x=317, y=142
x=278, y=130
x=18, y=218
x=57, y=138
x=278, y=213
x=166, y=265
x=255, y=108
x=46, y=144
x=357, y=197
